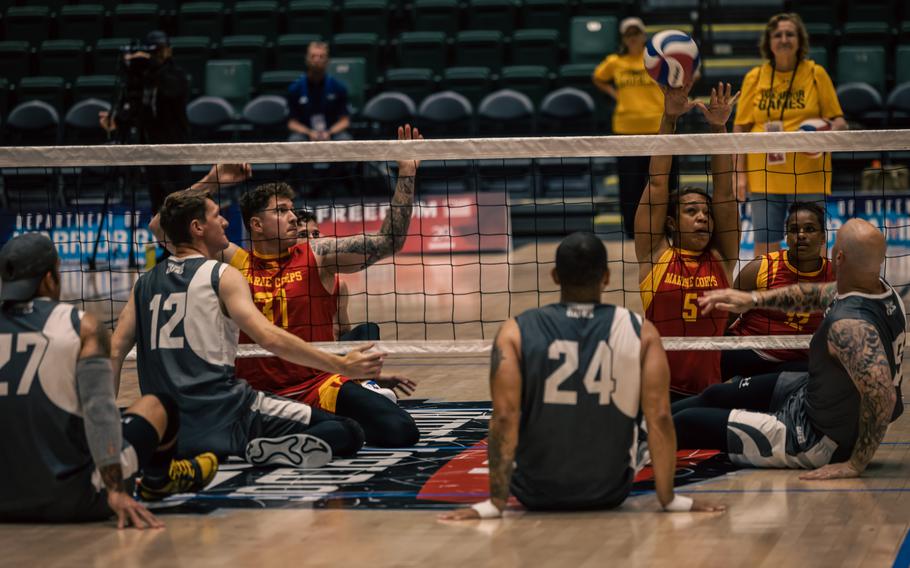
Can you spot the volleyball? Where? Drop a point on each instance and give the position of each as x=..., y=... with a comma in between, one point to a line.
x=814, y=125
x=671, y=58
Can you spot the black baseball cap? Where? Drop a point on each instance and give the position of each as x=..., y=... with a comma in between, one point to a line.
x=157, y=38
x=24, y=261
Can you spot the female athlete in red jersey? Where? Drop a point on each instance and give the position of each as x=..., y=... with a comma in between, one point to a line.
x=687, y=243
x=802, y=262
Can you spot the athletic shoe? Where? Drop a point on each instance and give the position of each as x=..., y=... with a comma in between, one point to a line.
x=374, y=386
x=295, y=450
x=184, y=476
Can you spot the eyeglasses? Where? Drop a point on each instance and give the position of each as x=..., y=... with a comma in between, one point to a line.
x=281, y=209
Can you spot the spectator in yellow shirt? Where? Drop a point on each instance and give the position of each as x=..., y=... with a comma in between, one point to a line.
x=778, y=96
x=639, y=106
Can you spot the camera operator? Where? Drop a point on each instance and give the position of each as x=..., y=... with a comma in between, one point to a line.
x=150, y=108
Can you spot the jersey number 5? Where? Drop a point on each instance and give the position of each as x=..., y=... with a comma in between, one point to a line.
x=163, y=338
x=597, y=379
x=23, y=341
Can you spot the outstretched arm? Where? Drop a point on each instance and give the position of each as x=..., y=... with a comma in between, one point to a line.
x=858, y=347
x=123, y=339
x=801, y=297
x=353, y=254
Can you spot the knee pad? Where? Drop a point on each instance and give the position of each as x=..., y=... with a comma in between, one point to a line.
x=141, y=434
x=173, y=417
x=355, y=436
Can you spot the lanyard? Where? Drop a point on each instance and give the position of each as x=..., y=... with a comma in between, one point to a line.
x=787, y=96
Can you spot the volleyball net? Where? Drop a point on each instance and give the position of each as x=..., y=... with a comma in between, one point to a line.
x=487, y=217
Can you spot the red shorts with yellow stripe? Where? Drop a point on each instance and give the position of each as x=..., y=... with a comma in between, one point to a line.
x=320, y=391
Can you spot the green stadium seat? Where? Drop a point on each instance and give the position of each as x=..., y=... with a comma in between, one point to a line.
x=415, y=83
x=276, y=82
x=904, y=31
x=290, y=50
x=229, y=79
x=536, y=47
x=365, y=16
x=492, y=15
x=543, y=14
x=902, y=64
x=474, y=83
x=422, y=50
x=106, y=55
x=866, y=64
x=819, y=11
x=14, y=60
x=352, y=71
x=201, y=19
x=48, y=89
x=249, y=47
x=365, y=46
x=436, y=16
x=135, y=20
x=4, y=96
x=61, y=58
x=866, y=33
x=101, y=87
x=821, y=34
x=578, y=75
x=479, y=46
x=27, y=23
x=53, y=5
x=819, y=55
x=252, y=17
x=870, y=10
x=310, y=17
x=81, y=21
x=192, y=53
x=615, y=8
x=592, y=39
x=532, y=80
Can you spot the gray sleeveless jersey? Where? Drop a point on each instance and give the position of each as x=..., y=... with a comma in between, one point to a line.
x=186, y=344
x=581, y=385
x=832, y=398
x=43, y=448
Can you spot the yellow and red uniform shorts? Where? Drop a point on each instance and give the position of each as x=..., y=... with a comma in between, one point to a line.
x=320, y=391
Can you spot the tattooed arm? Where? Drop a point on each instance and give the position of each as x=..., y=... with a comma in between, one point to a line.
x=798, y=297
x=353, y=254
x=858, y=347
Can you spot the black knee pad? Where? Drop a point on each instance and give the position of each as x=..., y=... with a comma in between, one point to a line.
x=141, y=434
x=173, y=417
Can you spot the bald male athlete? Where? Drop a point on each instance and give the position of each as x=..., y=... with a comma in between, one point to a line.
x=834, y=417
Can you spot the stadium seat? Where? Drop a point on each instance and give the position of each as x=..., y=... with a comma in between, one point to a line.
x=414, y=82
x=514, y=177
x=47, y=89
x=472, y=82
x=80, y=126
x=732, y=39
x=27, y=23
x=365, y=46
x=821, y=34
x=4, y=96
x=904, y=30
x=101, y=87
x=866, y=33
x=135, y=20
x=81, y=21
x=62, y=58
x=492, y=15
x=476, y=46
x=812, y=11
x=436, y=16
x=543, y=14
x=276, y=82
x=250, y=47
x=290, y=50
x=536, y=47
x=106, y=57
x=423, y=49
x=567, y=112
x=615, y=8
x=310, y=17
x=352, y=71
x=898, y=106
x=870, y=10
x=204, y=19
x=861, y=103
x=269, y=116
x=385, y=112
x=209, y=117
x=33, y=123
x=445, y=115
x=191, y=53
x=819, y=55
x=902, y=64
x=14, y=60
x=864, y=64
x=728, y=70
x=531, y=80
x=592, y=39
x=255, y=17
x=53, y=5
x=231, y=80
x=505, y=113
x=667, y=13
x=365, y=16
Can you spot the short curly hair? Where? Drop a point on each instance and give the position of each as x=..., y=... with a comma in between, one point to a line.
x=255, y=200
x=764, y=45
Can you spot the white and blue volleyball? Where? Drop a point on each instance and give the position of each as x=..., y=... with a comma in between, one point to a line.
x=814, y=125
x=671, y=58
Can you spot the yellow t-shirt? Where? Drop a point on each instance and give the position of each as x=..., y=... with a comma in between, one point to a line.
x=812, y=96
x=640, y=102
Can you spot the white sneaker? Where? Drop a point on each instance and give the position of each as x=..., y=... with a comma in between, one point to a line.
x=295, y=450
x=374, y=386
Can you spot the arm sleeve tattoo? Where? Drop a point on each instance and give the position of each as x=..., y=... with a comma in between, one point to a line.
x=802, y=297
x=501, y=443
x=858, y=347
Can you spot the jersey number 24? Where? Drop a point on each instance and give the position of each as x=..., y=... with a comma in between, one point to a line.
x=597, y=380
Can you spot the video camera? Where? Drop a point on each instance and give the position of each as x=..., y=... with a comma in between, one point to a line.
x=136, y=81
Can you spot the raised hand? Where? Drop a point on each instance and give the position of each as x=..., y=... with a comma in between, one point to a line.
x=717, y=111
x=229, y=174
x=408, y=168
x=676, y=101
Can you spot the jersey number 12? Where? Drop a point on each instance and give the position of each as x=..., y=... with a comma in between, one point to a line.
x=164, y=338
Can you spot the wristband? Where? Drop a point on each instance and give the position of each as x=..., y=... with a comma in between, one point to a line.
x=679, y=504
x=487, y=510
x=754, y=299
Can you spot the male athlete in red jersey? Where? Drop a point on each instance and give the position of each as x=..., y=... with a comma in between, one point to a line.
x=803, y=261
x=687, y=243
x=295, y=285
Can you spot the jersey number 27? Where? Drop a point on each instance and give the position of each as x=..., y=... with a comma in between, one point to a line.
x=22, y=342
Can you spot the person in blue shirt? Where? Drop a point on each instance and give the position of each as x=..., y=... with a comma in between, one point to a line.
x=317, y=101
